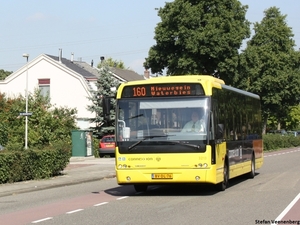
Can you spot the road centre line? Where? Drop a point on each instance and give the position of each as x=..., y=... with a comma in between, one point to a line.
x=74, y=211
x=102, y=203
x=287, y=209
x=283, y=213
x=41, y=220
x=122, y=198
x=77, y=210
x=282, y=153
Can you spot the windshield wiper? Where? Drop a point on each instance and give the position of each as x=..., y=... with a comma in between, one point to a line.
x=145, y=137
x=136, y=116
x=184, y=144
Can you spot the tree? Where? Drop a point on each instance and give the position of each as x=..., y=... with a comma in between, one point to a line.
x=199, y=37
x=104, y=84
x=269, y=66
x=110, y=62
x=47, y=125
x=4, y=74
x=293, y=120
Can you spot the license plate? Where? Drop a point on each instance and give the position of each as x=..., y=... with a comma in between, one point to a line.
x=109, y=146
x=162, y=176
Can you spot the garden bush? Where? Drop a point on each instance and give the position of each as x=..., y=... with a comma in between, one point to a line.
x=274, y=142
x=30, y=164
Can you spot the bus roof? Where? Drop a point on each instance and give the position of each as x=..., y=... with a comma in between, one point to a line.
x=177, y=79
x=208, y=79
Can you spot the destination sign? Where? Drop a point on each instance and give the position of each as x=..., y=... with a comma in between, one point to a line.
x=163, y=90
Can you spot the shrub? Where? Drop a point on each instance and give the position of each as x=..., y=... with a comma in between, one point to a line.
x=276, y=141
x=34, y=163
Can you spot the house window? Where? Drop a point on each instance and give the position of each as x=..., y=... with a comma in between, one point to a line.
x=44, y=87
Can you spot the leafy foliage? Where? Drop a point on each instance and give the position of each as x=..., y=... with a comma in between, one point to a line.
x=104, y=84
x=276, y=141
x=270, y=66
x=110, y=62
x=292, y=122
x=47, y=125
x=4, y=74
x=199, y=37
x=34, y=164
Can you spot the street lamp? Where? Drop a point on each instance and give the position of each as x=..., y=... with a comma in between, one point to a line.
x=26, y=97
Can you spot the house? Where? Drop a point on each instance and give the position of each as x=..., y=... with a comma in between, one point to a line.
x=68, y=82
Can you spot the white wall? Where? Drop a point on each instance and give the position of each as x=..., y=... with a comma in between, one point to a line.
x=67, y=89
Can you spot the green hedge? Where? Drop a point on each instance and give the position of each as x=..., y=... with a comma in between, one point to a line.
x=96, y=147
x=274, y=142
x=30, y=164
x=33, y=163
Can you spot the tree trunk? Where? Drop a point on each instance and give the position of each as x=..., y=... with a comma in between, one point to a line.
x=264, y=128
x=278, y=125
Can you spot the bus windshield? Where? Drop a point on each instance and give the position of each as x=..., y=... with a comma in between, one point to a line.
x=163, y=121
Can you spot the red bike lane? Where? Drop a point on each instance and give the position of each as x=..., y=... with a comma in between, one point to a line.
x=291, y=214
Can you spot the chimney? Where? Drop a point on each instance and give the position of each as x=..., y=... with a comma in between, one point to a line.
x=72, y=57
x=59, y=55
x=146, y=74
x=92, y=63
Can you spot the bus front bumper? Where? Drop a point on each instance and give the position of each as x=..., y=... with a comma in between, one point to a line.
x=151, y=176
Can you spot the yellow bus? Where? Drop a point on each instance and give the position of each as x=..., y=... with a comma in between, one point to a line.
x=185, y=129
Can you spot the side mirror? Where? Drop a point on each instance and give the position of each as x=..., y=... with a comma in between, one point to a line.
x=220, y=131
x=106, y=106
x=126, y=132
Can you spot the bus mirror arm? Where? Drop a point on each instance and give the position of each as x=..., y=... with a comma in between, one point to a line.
x=106, y=107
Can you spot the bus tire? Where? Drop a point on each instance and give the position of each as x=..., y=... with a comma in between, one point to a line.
x=251, y=174
x=224, y=184
x=140, y=187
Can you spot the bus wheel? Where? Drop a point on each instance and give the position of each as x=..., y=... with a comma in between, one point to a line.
x=251, y=174
x=223, y=185
x=140, y=187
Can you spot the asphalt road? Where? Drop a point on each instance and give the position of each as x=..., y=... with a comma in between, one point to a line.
x=247, y=201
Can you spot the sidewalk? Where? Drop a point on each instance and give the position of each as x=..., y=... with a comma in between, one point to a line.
x=79, y=170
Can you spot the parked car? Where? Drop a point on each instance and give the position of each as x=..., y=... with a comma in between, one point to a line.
x=282, y=132
x=294, y=133
x=107, y=146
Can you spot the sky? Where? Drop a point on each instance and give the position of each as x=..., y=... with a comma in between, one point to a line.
x=122, y=30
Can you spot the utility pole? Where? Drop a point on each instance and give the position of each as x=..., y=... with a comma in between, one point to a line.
x=26, y=97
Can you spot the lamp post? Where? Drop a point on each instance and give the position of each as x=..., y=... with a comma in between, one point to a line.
x=26, y=97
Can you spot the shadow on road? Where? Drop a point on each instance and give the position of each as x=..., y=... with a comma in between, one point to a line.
x=175, y=189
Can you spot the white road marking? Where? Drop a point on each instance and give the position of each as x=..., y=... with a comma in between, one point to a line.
x=122, y=198
x=102, y=203
x=277, y=154
x=287, y=209
x=74, y=211
x=37, y=221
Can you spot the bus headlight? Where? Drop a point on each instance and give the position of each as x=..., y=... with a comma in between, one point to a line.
x=204, y=165
x=124, y=166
